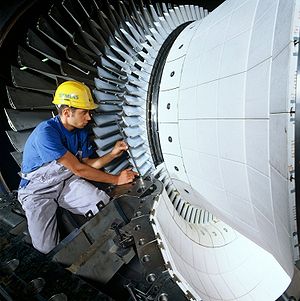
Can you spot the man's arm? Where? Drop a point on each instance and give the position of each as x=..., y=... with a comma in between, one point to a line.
x=98, y=163
x=87, y=172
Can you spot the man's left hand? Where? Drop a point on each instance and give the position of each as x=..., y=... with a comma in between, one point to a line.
x=119, y=148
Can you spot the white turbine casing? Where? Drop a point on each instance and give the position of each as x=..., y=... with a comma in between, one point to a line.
x=226, y=94
x=225, y=115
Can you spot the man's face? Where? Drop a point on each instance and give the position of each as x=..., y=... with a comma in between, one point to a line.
x=79, y=118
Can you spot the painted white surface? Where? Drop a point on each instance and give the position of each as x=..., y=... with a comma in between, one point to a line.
x=232, y=144
x=237, y=269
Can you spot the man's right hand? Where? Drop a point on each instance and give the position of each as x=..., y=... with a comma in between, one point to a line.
x=126, y=176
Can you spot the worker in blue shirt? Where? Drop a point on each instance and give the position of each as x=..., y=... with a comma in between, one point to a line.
x=56, y=164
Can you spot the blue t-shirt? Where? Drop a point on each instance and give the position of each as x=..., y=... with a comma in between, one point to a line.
x=49, y=141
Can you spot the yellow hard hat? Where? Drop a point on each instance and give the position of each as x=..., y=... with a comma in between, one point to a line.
x=74, y=94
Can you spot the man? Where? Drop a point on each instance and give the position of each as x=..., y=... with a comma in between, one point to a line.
x=56, y=162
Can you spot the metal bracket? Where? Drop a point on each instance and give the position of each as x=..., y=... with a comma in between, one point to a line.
x=123, y=240
x=89, y=214
x=175, y=278
x=100, y=205
x=168, y=265
x=190, y=295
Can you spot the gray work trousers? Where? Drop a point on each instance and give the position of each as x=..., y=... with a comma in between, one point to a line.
x=50, y=186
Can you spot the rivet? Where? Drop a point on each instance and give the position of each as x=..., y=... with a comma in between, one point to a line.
x=146, y=258
x=172, y=73
x=163, y=297
x=137, y=228
x=141, y=241
x=138, y=213
x=151, y=278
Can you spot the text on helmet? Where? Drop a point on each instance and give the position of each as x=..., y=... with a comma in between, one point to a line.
x=68, y=96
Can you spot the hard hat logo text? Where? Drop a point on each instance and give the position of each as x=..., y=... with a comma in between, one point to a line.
x=68, y=96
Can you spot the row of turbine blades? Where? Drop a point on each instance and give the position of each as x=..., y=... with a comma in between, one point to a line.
x=189, y=212
x=112, y=48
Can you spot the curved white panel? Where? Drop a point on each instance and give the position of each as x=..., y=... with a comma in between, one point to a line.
x=215, y=262
x=228, y=136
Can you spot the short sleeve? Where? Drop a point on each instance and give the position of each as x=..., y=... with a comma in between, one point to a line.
x=87, y=147
x=49, y=145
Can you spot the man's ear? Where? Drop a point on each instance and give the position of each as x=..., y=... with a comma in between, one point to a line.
x=66, y=112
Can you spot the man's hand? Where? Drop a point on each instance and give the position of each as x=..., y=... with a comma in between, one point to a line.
x=119, y=148
x=117, y=151
x=126, y=176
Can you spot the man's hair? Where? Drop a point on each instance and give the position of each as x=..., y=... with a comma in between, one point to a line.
x=60, y=108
